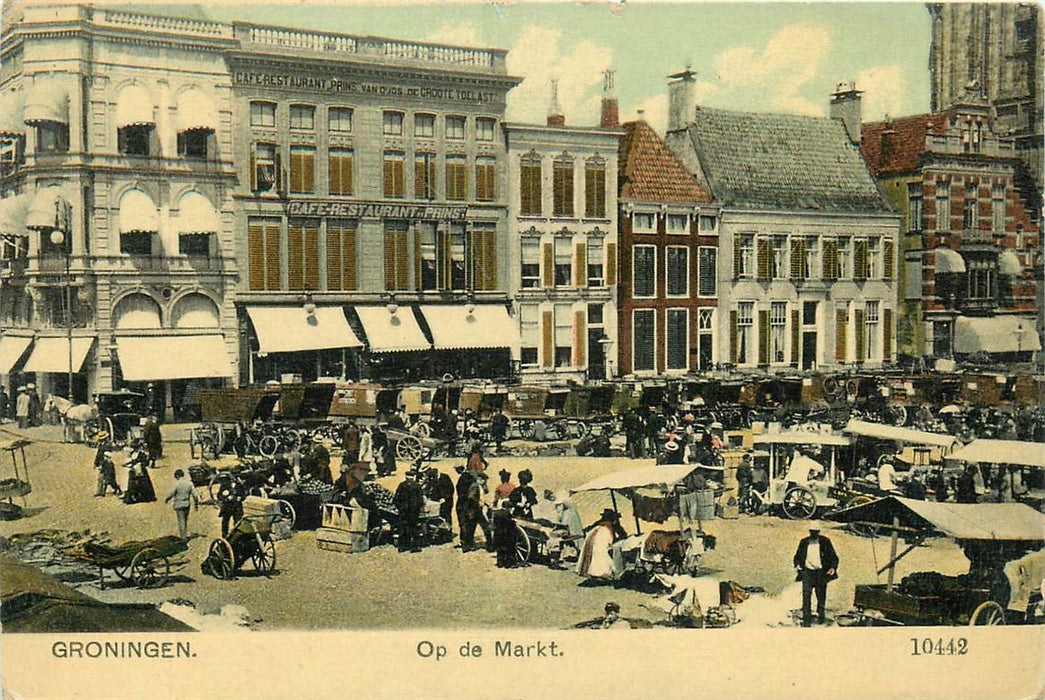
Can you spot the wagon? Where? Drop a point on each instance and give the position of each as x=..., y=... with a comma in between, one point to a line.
x=802, y=500
x=542, y=540
x=222, y=409
x=18, y=484
x=119, y=415
x=250, y=539
x=409, y=446
x=145, y=563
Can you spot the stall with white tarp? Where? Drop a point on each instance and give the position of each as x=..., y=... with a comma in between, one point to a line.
x=905, y=435
x=1024, y=454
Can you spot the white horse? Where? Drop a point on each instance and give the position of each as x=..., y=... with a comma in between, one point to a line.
x=74, y=416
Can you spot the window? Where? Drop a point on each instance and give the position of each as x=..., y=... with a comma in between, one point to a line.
x=302, y=169
x=595, y=188
x=340, y=164
x=264, y=254
x=265, y=168
x=677, y=271
x=861, y=259
x=676, y=341
x=12, y=153
x=134, y=140
x=969, y=213
x=830, y=259
x=484, y=129
x=263, y=114
x=485, y=179
x=596, y=270
x=745, y=321
x=777, y=331
x=799, y=261
x=888, y=259
x=562, y=187
x=52, y=137
x=563, y=356
x=778, y=266
x=678, y=223
x=303, y=254
x=707, y=271
x=424, y=175
x=458, y=257
x=393, y=185
x=424, y=126
x=844, y=255
x=194, y=144
x=563, y=336
x=529, y=331
x=643, y=222
x=483, y=247
x=914, y=207
x=425, y=238
x=563, y=262
x=194, y=244
x=998, y=209
x=396, y=263
x=707, y=224
x=874, y=258
x=341, y=254
x=528, y=356
x=595, y=314
x=811, y=266
x=456, y=178
x=392, y=123
x=531, y=263
x=643, y=340
x=455, y=127
x=644, y=271
x=943, y=205
x=809, y=313
x=339, y=120
x=302, y=117
x=873, y=329
x=744, y=256
x=136, y=243
x=982, y=275
x=705, y=338
x=530, y=186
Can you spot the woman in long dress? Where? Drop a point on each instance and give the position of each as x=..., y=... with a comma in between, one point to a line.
x=139, y=484
x=596, y=560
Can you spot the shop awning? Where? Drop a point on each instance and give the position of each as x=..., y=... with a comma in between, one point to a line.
x=13, y=214
x=196, y=112
x=46, y=101
x=49, y=210
x=995, y=334
x=948, y=260
x=1009, y=264
x=11, y=109
x=1024, y=454
x=158, y=358
x=962, y=521
x=892, y=432
x=12, y=347
x=453, y=328
x=662, y=476
x=133, y=107
x=801, y=437
x=291, y=329
x=386, y=332
x=138, y=213
x=52, y=354
x=196, y=215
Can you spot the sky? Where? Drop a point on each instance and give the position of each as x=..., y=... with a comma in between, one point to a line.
x=759, y=57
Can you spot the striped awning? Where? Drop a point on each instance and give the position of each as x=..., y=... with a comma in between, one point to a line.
x=46, y=101
x=49, y=210
x=196, y=215
x=52, y=355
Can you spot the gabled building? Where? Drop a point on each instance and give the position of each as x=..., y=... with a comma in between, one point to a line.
x=807, y=243
x=969, y=247
x=669, y=260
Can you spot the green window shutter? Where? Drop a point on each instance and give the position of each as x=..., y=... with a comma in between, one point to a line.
x=733, y=333
x=765, y=254
x=841, y=323
x=887, y=336
x=861, y=334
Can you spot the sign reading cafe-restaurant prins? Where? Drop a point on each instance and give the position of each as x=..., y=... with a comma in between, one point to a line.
x=289, y=81
x=375, y=210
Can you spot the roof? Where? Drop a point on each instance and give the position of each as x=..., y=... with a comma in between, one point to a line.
x=662, y=476
x=904, y=148
x=781, y=161
x=892, y=432
x=1027, y=454
x=962, y=521
x=650, y=172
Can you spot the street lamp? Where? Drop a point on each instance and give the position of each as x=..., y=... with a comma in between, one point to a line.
x=58, y=239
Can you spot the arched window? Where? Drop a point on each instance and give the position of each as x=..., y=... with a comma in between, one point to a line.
x=195, y=311
x=137, y=311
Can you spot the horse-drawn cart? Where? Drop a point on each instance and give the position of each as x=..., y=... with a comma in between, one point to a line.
x=250, y=539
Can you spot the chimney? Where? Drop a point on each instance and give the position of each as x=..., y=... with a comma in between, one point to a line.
x=682, y=99
x=610, y=117
x=888, y=144
x=845, y=105
x=555, y=115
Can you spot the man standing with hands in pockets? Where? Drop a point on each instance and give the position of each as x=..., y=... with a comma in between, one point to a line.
x=816, y=563
x=183, y=494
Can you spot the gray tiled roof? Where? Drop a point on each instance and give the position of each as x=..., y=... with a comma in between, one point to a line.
x=781, y=161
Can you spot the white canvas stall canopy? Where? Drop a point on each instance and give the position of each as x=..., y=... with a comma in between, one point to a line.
x=664, y=477
x=892, y=432
x=159, y=358
x=995, y=334
x=486, y=326
x=1024, y=454
x=292, y=329
x=388, y=332
x=962, y=521
x=12, y=348
x=52, y=354
x=799, y=437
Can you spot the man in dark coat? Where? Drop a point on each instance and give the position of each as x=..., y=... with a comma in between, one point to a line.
x=469, y=509
x=320, y=461
x=633, y=431
x=409, y=500
x=350, y=443
x=499, y=429
x=230, y=499
x=816, y=563
x=440, y=488
x=153, y=438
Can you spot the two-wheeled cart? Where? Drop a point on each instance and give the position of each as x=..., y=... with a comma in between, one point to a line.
x=145, y=563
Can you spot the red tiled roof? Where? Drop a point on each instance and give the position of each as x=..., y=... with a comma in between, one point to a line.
x=650, y=172
x=903, y=152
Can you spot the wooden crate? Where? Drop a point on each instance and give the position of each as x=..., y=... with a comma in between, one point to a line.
x=342, y=541
x=339, y=517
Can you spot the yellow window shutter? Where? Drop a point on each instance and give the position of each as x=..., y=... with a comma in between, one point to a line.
x=490, y=260
x=390, y=267
x=580, y=265
x=309, y=171
x=256, y=244
x=861, y=334
x=763, y=337
x=272, y=258
x=798, y=259
x=887, y=336
x=737, y=256
x=764, y=259
x=311, y=258
x=348, y=257
x=796, y=337
x=841, y=323
x=295, y=258
x=611, y=264
x=417, y=259
x=733, y=333
x=580, y=343
x=547, y=344
x=888, y=261
x=549, y=265
x=253, y=167
x=334, y=265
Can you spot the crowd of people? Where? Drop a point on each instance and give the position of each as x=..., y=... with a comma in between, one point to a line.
x=24, y=406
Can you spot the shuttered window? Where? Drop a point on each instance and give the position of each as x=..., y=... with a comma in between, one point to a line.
x=303, y=254
x=644, y=271
x=595, y=188
x=830, y=259
x=861, y=259
x=644, y=340
x=887, y=336
x=424, y=175
x=396, y=257
x=341, y=255
x=778, y=332
x=530, y=186
x=580, y=338
x=745, y=314
x=888, y=260
x=548, y=265
x=707, y=264
x=531, y=264
x=302, y=169
x=841, y=338
x=562, y=187
x=765, y=259
x=796, y=337
x=763, y=337
x=799, y=262
x=485, y=179
x=484, y=259
x=677, y=271
x=676, y=339
x=861, y=334
x=264, y=255
x=547, y=339
x=393, y=174
x=611, y=264
x=340, y=163
x=456, y=178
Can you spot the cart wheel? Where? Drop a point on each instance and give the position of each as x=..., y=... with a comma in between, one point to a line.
x=409, y=448
x=896, y=414
x=268, y=446
x=222, y=560
x=264, y=558
x=987, y=613
x=421, y=430
x=523, y=547
x=862, y=529
x=111, y=429
x=577, y=429
x=150, y=569
x=286, y=511
x=799, y=503
x=122, y=572
x=674, y=558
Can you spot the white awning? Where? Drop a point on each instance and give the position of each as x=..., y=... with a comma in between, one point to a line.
x=50, y=209
x=487, y=326
x=134, y=107
x=962, y=521
x=196, y=215
x=663, y=476
x=948, y=260
x=12, y=347
x=892, y=432
x=46, y=101
x=995, y=334
x=52, y=354
x=290, y=329
x=801, y=437
x=1009, y=264
x=196, y=111
x=14, y=212
x=387, y=332
x=157, y=358
x=1026, y=454
x=12, y=105
x=138, y=213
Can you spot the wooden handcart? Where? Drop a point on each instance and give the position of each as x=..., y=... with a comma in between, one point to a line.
x=145, y=563
x=250, y=540
x=17, y=485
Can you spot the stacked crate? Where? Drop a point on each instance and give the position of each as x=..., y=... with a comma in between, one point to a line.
x=345, y=529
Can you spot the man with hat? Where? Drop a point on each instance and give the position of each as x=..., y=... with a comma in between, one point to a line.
x=35, y=406
x=319, y=460
x=469, y=505
x=4, y=401
x=22, y=408
x=409, y=501
x=103, y=462
x=230, y=499
x=816, y=563
x=672, y=452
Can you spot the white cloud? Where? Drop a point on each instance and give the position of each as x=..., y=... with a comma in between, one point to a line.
x=461, y=34
x=884, y=88
x=656, y=107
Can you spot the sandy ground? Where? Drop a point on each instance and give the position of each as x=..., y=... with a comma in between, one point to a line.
x=441, y=586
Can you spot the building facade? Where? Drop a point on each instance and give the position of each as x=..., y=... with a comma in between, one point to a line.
x=563, y=228
x=669, y=261
x=119, y=264
x=969, y=247
x=807, y=243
